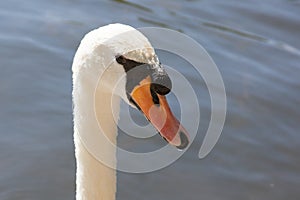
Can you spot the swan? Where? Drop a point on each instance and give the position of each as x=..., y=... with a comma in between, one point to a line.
x=123, y=49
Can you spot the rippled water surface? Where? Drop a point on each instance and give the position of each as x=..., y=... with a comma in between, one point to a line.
x=256, y=47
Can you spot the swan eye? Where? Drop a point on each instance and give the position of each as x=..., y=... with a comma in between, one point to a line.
x=127, y=63
x=121, y=60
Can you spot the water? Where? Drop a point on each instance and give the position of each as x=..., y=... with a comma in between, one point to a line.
x=256, y=47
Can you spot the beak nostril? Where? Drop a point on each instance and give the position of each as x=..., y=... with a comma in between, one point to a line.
x=155, y=98
x=184, y=141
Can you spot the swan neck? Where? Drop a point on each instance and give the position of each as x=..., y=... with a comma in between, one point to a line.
x=94, y=180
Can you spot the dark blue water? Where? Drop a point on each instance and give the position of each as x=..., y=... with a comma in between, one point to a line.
x=254, y=43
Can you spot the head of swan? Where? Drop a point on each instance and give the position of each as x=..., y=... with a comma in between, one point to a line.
x=130, y=69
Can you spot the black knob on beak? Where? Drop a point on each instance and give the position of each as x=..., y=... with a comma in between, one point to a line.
x=161, y=84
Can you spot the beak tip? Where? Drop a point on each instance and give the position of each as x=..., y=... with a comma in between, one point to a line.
x=184, y=141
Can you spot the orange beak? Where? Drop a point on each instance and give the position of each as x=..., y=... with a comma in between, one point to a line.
x=156, y=109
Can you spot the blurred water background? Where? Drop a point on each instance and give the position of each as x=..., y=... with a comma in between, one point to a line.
x=254, y=43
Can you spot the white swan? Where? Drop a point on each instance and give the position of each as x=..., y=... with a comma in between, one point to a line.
x=123, y=48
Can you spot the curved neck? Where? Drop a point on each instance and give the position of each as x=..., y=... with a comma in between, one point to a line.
x=94, y=180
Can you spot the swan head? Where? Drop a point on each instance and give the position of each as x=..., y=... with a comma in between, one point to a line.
x=134, y=73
